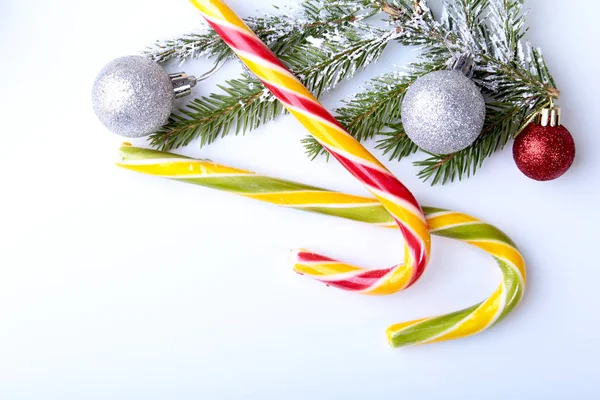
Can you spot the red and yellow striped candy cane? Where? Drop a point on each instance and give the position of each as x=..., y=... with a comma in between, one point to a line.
x=450, y=224
x=388, y=190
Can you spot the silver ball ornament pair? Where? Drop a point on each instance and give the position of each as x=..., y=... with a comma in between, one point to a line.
x=133, y=96
x=443, y=112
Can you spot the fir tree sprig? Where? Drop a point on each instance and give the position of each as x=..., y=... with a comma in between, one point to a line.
x=279, y=32
x=239, y=107
x=334, y=38
x=189, y=46
x=513, y=75
x=245, y=104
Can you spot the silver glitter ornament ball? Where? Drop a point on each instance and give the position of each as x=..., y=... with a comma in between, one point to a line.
x=133, y=96
x=443, y=112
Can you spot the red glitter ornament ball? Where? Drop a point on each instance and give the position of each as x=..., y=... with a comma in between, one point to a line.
x=544, y=153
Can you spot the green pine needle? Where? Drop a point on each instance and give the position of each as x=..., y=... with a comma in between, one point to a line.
x=395, y=144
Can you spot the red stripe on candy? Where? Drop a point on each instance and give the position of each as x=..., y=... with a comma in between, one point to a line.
x=376, y=273
x=290, y=98
x=247, y=43
x=362, y=281
x=348, y=285
x=380, y=180
x=418, y=252
x=312, y=257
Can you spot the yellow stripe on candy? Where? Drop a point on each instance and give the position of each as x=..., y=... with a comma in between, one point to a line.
x=449, y=219
x=333, y=137
x=404, y=325
x=183, y=168
x=324, y=269
x=272, y=74
x=392, y=283
x=504, y=251
x=311, y=198
x=213, y=9
x=477, y=321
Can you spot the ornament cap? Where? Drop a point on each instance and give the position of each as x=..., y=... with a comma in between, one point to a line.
x=463, y=63
x=182, y=84
x=550, y=116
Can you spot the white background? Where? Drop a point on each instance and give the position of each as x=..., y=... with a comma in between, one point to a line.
x=117, y=285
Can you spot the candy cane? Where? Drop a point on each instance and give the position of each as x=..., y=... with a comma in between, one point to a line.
x=302, y=197
x=388, y=190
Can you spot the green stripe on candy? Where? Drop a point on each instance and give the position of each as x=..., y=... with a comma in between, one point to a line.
x=513, y=287
x=248, y=184
x=130, y=153
x=428, y=329
x=368, y=214
x=475, y=231
x=432, y=210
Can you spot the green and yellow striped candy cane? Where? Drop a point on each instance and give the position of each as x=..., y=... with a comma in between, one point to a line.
x=445, y=223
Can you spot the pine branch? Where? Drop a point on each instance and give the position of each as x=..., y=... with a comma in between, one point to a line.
x=280, y=32
x=515, y=76
x=333, y=39
x=246, y=104
x=189, y=46
x=243, y=105
x=512, y=74
x=326, y=44
x=335, y=62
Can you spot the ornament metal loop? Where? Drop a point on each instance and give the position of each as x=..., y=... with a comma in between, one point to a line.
x=183, y=83
x=211, y=71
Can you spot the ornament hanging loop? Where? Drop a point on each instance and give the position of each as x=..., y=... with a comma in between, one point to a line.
x=183, y=83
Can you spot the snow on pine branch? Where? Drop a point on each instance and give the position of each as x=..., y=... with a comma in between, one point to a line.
x=293, y=24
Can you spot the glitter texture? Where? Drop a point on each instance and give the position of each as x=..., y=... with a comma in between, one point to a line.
x=133, y=96
x=443, y=112
x=544, y=153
